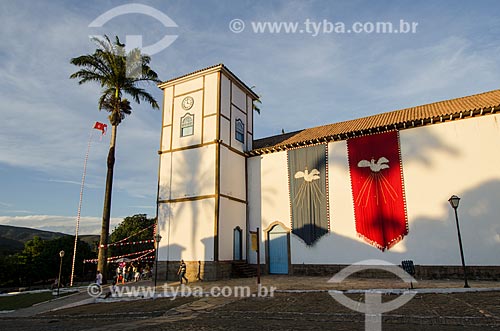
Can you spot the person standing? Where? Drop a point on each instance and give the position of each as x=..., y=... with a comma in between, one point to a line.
x=182, y=272
x=123, y=275
x=137, y=275
x=130, y=273
x=119, y=274
x=98, y=278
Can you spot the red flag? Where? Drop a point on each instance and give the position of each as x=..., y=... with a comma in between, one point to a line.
x=101, y=126
x=377, y=188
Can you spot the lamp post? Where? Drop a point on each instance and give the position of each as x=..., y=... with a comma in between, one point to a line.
x=61, y=255
x=157, y=244
x=454, y=201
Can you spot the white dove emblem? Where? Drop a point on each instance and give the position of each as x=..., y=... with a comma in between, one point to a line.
x=377, y=181
x=374, y=166
x=308, y=176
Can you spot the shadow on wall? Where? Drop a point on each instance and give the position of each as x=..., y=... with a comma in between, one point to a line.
x=478, y=215
x=269, y=193
x=197, y=269
x=188, y=176
x=175, y=252
x=418, y=147
x=430, y=241
x=193, y=174
x=254, y=189
x=257, y=195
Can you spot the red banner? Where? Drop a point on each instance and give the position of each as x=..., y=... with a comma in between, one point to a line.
x=377, y=188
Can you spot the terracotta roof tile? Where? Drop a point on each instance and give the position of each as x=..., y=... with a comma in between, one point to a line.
x=400, y=119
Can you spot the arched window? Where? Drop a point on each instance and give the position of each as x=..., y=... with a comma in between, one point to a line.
x=187, y=125
x=240, y=131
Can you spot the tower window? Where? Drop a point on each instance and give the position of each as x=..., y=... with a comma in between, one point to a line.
x=187, y=125
x=240, y=131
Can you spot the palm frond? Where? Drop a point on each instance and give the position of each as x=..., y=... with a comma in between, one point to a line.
x=117, y=107
x=139, y=94
x=118, y=72
x=255, y=107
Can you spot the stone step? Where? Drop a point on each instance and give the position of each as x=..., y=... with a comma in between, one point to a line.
x=243, y=269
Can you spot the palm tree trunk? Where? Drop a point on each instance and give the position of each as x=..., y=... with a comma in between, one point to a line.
x=106, y=212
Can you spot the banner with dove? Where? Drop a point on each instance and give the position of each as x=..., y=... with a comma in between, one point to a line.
x=376, y=174
x=307, y=173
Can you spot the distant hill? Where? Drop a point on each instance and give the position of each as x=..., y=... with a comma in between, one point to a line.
x=25, y=234
x=8, y=246
x=91, y=239
x=12, y=238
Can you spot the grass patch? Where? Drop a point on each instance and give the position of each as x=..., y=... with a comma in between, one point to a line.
x=14, y=302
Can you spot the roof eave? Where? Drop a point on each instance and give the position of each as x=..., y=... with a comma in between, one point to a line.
x=202, y=72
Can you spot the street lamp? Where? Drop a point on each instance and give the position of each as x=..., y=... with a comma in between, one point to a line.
x=454, y=201
x=157, y=244
x=61, y=255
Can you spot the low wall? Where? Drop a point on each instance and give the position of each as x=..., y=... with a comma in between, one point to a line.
x=195, y=270
x=421, y=271
x=200, y=270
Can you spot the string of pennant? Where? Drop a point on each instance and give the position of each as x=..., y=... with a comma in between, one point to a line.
x=134, y=234
x=111, y=259
x=147, y=241
x=121, y=241
x=142, y=256
x=141, y=259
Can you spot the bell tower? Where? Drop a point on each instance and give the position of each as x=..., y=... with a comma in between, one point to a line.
x=207, y=127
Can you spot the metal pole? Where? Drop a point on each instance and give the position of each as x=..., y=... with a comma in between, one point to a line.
x=258, y=257
x=59, y=281
x=156, y=263
x=461, y=250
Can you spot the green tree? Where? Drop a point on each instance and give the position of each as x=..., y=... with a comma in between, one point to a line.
x=39, y=261
x=31, y=267
x=130, y=226
x=49, y=258
x=118, y=73
x=11, y=270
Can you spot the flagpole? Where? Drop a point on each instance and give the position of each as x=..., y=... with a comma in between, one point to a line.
x=80, y=206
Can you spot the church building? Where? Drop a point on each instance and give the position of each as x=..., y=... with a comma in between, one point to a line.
x=325, y=197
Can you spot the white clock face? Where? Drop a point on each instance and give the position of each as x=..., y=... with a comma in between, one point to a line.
x=187, y=103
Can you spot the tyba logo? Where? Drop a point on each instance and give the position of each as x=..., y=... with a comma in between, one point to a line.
x=135, y=41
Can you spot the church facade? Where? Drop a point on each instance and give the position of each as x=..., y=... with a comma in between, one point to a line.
x=325, y=197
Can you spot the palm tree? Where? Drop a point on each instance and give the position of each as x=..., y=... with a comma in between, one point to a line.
x=118, y=72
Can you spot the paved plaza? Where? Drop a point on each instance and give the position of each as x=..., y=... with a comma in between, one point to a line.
x=298, y=303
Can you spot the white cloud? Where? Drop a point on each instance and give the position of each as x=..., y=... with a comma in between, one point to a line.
x=144, y=207
x=56, y=223
x=72, y=182
x=448, y=64
x=17, y=211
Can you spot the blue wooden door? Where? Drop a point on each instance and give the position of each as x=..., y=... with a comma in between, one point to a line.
x=237, y=244
x=278, y=250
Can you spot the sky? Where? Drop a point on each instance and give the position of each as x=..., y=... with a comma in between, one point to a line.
x=306, y=76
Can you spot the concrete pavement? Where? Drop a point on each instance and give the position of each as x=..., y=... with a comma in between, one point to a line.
x=281, y=283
